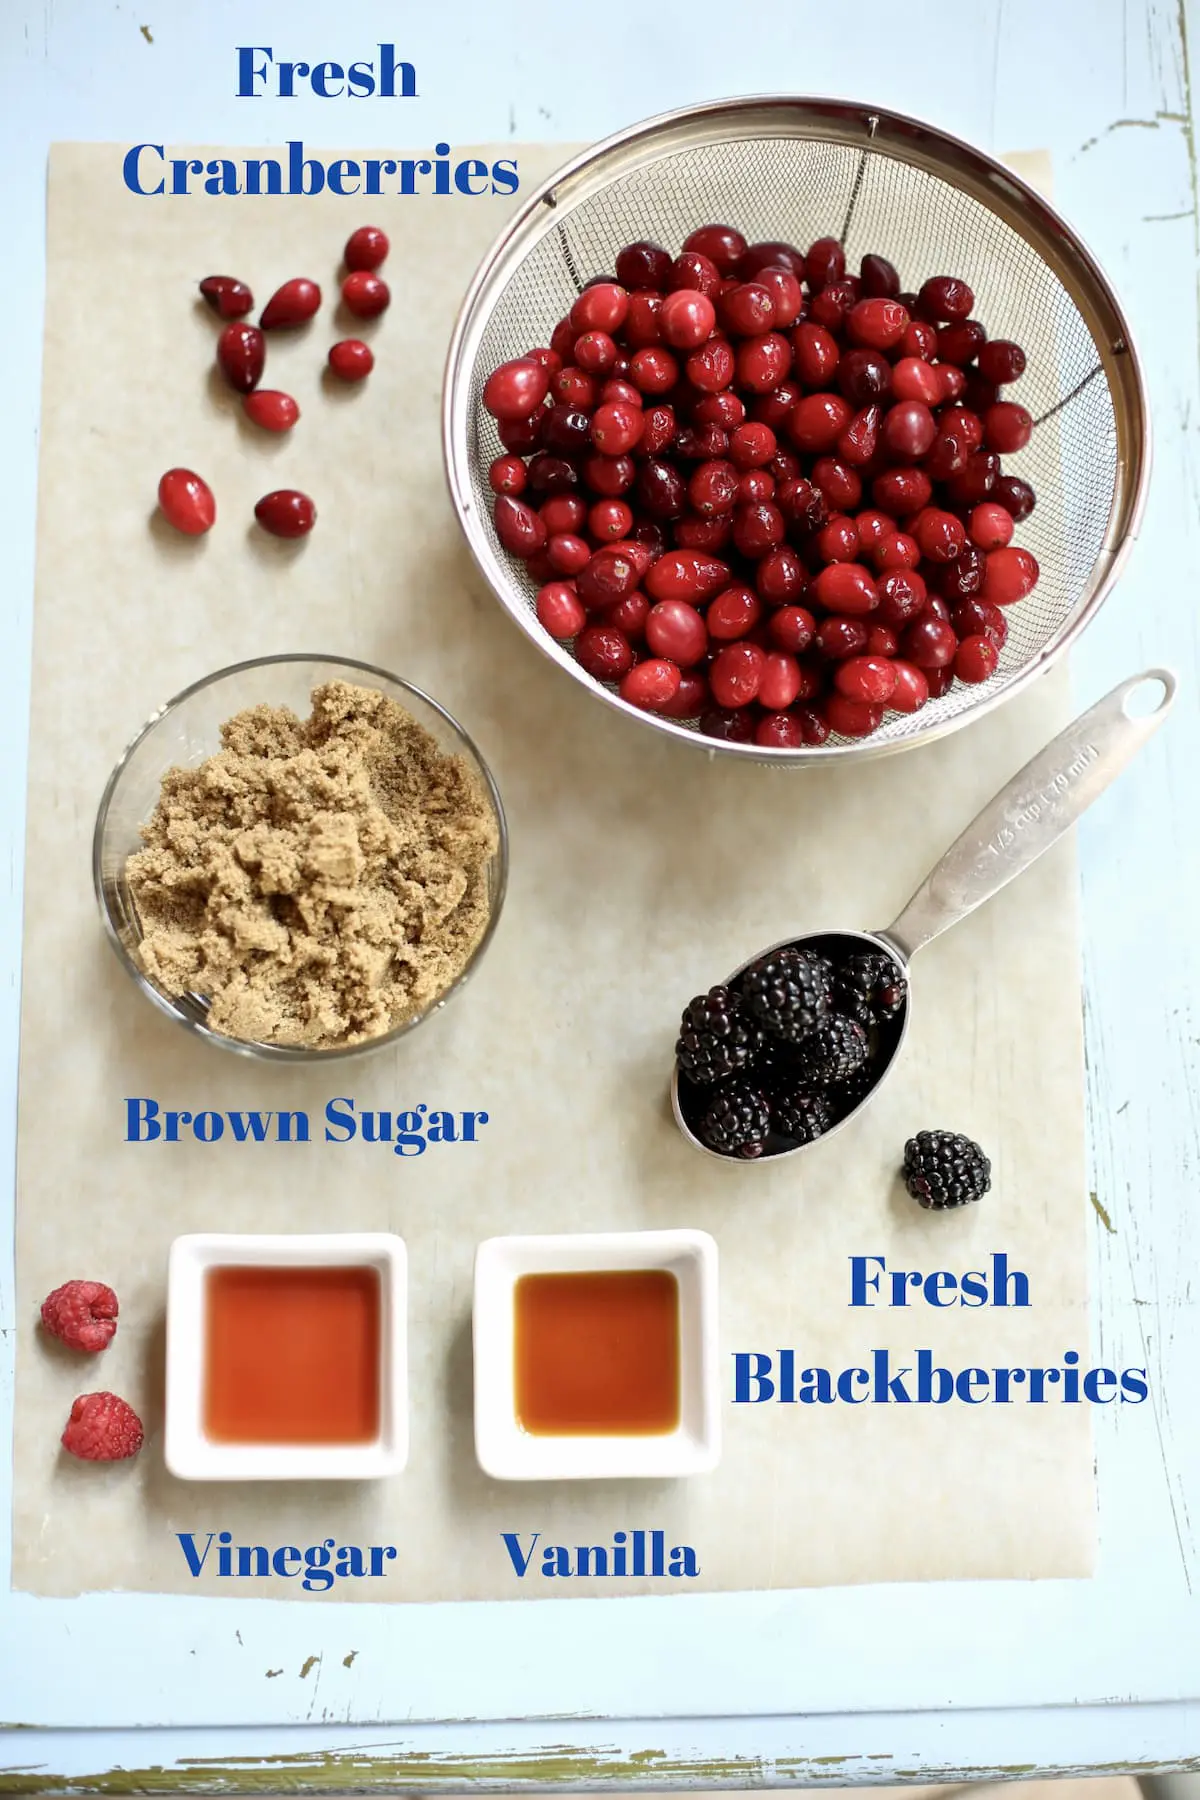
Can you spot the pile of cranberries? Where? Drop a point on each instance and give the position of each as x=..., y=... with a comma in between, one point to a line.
x=765, y=494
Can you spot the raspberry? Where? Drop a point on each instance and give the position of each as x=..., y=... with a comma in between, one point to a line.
x=102, y=1428
x=82, y=1313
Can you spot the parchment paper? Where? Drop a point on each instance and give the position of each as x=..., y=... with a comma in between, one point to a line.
x=641, y=872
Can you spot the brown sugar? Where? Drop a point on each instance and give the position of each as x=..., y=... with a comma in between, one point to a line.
x=317, y=881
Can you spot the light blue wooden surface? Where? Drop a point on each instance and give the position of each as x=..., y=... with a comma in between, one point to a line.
x=901, y=1681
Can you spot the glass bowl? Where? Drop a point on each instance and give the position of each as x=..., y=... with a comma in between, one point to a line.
x=185, y=732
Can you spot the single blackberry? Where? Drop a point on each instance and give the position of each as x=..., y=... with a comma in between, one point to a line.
x=788, y=992
x=832, y=1053
x=715, y=1037
x=944, y=1169
x=869, y=985
x=799, y=1114
x=737, y=1120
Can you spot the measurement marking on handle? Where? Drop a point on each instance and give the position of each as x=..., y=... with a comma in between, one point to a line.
x=1042, y=803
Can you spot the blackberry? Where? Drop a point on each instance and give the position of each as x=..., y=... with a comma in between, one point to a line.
x=788, y=992
x=831, y=1054
x=869, y=985
x=799, y=1114
x=844, y=1096
x=944, y=1169
x=715, y=1037
x=737, y=1120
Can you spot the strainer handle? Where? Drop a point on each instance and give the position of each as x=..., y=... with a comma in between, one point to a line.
x=1029, y=815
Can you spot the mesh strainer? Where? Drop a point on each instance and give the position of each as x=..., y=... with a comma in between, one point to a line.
x=798, y=169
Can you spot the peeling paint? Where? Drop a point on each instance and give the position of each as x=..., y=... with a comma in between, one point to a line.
x=348, y=1661
x=1102, y=1214
x=307, y=1666
x=146, y=33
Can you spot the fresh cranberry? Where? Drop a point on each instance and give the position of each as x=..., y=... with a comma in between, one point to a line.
x=816, y=421
x=909, y=429
x=879, y=278
x=734, y=612
x=914, y=379
x=920, y=340
x=901, y=491
x=912, y=687
x=242, y=355
x=365, y=295
x=603, y=652
x=507, y=475
x=609, y=519
x=868, y=678
x=937, y=608
x=1001, y=361
x=642, y=329
x=1007, y=427
x=653, y=370
x=659, y=490
x=990, y=526
x=752, y=445
x=786, y=295
x=945, y=297
x=518, y=527
x=771, y=255
x=863, y=376
x=292, y=304
x=287, y=513
x=651, y=684
x=955, y=384
x=710, y=535
x=686, y=575
x=833, y=305
x=596, y=353
x=780, y=577
x=813, y=726
x=758, y=527
x=949, y=453
x=677, y=631
x=815, y=354
x=960, y=342
x=1014, y=495
x=748, y=310
x=736, y=674
x=366, y=248
x=780, y=681
x=940, y=681
x=567, y=553
x=629, y=616
x=852, y=718
x=552, y=474
x=873, y=527
x=603, y=307
x=976, y=659
x=877, y=324
x=643, y=265
x=975, y=480
x=756, y=485
x=858, y=443
x=713, y=488
x=972, y=618
x=721, y=244
x=845, y=587
x=624, y=392
x=940, y=535
x=726, y=410
x=567, y=430
x=959, y=579
x=616, y=427
x=229, y=298
x=882, y=640
x=701, y=443
x=896, y=552
x=774, y=409
x=965, y=423
x=824, y=262
x=711, y=367
x=802, y=503
x=609, y=476
x=187, y=502
x=658, y=431
x=779, y=731
x=792, y=628
x=574, y=387
x=350, y=359
x=694, y=273
x=762, y=362
x=902, y=596
x=837, y=540
x=520, y=436
x=691, y=696
x=559, y=610
x=736, y=727
x=608, y=576
x=929, y=642
x=1010, y=575
x=562, y=342
x=562, y=512
x=686, y=320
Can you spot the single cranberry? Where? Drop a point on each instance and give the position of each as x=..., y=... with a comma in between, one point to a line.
x=229, y=298
x=271, y=409
x=559, y=610
x=520, y=436
x=1010, y=574
x=566, y=552
x=959, y=579
x=614, y=392
x=878, y=324
x=779, y=731
x=792, y=628
x=879, y=278
x=949, y=453
x=752, y=445
x=736, y=727
x=813, y=727
x=686, y=575
x=366, y=248
x=920, y=340
x=677, y=631
x=852, y=718
x=914, y=379
x=604, y=652
x=771, y=255
x=350, y=359
x=1001, y=361
x=748, y=310
x=643, y=265
x=975, y=480
x=929, y=642
x=241, y=356
x=691, y=696
x=616, y=427
x=575, y=387
x=659, y=490
x=552, y=474
x=837, y=540
x=603, y=307
x=650, y=684
x=292, y=304
x=608, y=576
x=609, y=476
x=976, y=659
x=972, y=618
x=713, y=488
x=726, y=410
x=187, y=502
x=990, y=526
x=882, y=640
x=723, y=245
x=845, y=587
x=653, y=370
x=902, y=596
x=756, y=485
x=896, y=552
x=960, y=342
x=901, y=491
x=774, y=409
x=758, y=527
x=287, y=513
x=832, y=306
x=711, y=368
x=609, y=519
x=937, y=608
x=954, y=383
x=868, y=678
x=912, y=688
x=873, y=527
x=518, y=527
x=824, y=262
x=786, y=295
x=939, y=534
x=644, y=545
x=365, y=295
x=735, y=611
x=595, y=352
x=694, y=273
x=711, y=535
x=859, y=442
x=562, y=511
x=909, y=429
x=1007, y=427
x=562, y=342
x=966, y=423
x=507, y=475
x=780, y=681
x=940, y=681
x=736, y=674
x=1014, y=495
x=629, y=616
x=815, y=354
x=802, y=504
x=762, y=362
x=864, y=375
x=642, y=330
x=567, y=430
x=816, y=421
x=945, y=297
x=780, y=577
x=686, y=319
x=658, y=431
x=701, y=443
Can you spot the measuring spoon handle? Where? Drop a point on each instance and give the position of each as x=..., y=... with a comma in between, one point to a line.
x=1032, y=812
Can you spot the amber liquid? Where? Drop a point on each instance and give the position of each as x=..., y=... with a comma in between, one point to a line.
x=597, y=1354
x=292, y=1355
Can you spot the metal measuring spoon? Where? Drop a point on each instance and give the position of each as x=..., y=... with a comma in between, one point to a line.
x=1026, y=817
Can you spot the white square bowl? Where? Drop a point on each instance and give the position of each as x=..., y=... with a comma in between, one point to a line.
x=188, y=1451
x=504, y=1449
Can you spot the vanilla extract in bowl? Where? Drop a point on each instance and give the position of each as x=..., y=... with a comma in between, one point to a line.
x=596, y=1352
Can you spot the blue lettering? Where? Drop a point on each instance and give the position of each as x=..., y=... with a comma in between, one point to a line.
x=131, y=169
x=249, y=73
x=862, y=1285
x=752, y=1366
x=322, y=75
x=389, y=68
x=519, y=1558
x=504, y=177
x=344, y=1122
x=141, y=1121
x=187, y=1543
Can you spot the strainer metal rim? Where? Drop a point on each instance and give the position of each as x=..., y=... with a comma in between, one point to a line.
x=875, y=130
